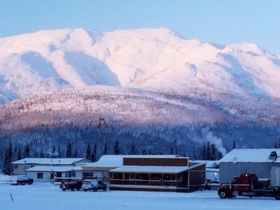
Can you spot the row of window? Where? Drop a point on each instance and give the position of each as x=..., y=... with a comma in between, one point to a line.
x=137, y=176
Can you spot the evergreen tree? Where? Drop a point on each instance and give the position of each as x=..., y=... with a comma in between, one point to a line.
x=36, y=154
x=132, y=149
x=53, y=149
x=19, y=153
x=220, y=155
x=213, y=152
x=10, y=150
x=204, y=154
x=27, y=151
x=171, y=151
x=233, y=144
x=88, y=152
x=7, y=163
x=208, y=151
x=69, y=150
x=93, y=154
x=105, y=149
x=116, y=149
x=175, y=150
x=42, y=155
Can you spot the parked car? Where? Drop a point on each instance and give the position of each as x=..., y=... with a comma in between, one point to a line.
x=20, y=180
x=211, y=184
x=71, y=185
x=93, y=185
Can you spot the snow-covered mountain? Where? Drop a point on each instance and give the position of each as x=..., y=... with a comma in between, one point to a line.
x=151, y=85
x=146, y=58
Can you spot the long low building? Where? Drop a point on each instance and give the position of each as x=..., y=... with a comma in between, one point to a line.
x=147, y=172
x=161, y=178
x=20, y=166
x=53, y=174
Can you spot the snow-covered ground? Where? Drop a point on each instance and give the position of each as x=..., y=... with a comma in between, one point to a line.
x=48, y=196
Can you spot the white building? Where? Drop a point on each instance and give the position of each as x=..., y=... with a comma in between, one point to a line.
x=255, y=161
x=50, y=169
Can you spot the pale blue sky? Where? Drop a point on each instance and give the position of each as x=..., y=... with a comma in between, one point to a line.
x=215, y=21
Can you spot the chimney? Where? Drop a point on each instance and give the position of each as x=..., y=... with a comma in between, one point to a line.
x=273, y=155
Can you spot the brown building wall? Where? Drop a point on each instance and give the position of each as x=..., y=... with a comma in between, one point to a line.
x=155, y=161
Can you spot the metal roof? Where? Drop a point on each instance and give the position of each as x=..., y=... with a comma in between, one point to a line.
x=251, y=155
x=49, y=161
x=52, y=168
x=155, y=169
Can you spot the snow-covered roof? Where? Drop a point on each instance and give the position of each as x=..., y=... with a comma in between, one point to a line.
x=112, y=161
x=251, y=155
x=151, y=169
x=155, y=169
x=209, y=163
x=49, y=161
x=52, y=168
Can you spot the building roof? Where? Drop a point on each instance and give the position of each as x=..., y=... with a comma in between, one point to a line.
x=209, y=163
x=49, y=161
x=251, y=155
x=151, y=169
x=113, y=161
x=155, y=169
x=52, y=168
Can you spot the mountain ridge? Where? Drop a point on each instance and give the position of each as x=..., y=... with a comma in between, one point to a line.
x=152, y=86
x=145, y=58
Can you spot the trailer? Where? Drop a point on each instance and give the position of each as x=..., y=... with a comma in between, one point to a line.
x=250, y=185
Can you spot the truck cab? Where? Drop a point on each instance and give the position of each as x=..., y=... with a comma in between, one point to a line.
x=240, y=185
x=249, y=185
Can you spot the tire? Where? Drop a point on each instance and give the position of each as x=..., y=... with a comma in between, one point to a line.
x=223, y=194
x=95, y=189
x=277, y=195
x=64, y=189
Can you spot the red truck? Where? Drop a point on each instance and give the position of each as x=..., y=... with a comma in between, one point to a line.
x=71, y=185
x=249, y=185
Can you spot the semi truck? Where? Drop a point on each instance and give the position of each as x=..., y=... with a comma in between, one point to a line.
x=250, y=185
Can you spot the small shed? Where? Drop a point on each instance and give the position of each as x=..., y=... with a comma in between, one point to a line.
x=257, y=161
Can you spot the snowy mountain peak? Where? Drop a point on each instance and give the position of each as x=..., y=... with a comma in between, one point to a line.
x=145, y=58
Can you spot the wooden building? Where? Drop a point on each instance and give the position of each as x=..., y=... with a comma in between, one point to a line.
x=158, y=173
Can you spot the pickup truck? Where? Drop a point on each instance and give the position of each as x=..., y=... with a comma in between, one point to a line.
x=20, y=180
x=93, y=185
x=71, y=185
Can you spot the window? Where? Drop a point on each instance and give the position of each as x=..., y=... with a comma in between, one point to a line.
x=126, y=176
x=39, y=175
x=15, y=166
x=58, y=174
x=116, y=176
x=87, y=174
